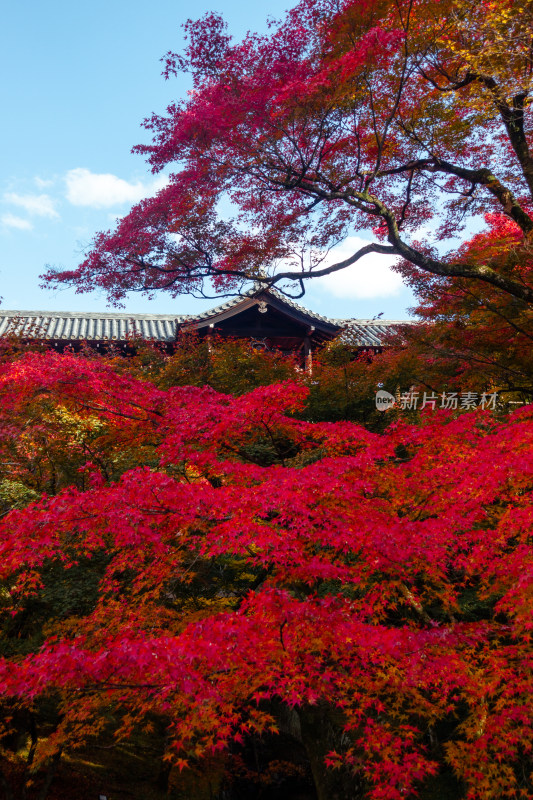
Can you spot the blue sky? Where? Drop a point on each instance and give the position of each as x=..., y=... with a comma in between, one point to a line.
x=78, y=79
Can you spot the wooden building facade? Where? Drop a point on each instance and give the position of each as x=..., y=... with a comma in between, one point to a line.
x=265, y=317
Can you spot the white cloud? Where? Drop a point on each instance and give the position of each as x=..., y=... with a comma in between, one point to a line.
x=370, y=277
x=42, y=183
x=103, y=190
x=11, y=221
x=41, y=205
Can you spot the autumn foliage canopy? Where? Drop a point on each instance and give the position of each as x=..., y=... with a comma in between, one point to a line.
x=244, y=559
x=231, y=560
x=400, y=120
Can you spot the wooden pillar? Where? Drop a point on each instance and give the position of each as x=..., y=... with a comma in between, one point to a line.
x=209, y=334
x=308, y=350
x=308, y=355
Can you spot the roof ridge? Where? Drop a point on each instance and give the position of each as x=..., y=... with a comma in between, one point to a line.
x=312, y=314
x=257, y=289
x=92, y=314
x=355, y=321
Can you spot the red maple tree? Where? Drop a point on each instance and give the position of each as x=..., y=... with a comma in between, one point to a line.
x=405, y=119
x=384, y=589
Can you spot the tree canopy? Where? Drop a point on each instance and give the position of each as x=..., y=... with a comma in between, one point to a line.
x=246, y=565
x=240, y=558
x=403, y=119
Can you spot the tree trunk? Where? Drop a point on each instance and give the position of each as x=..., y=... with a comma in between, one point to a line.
x=50, y=774
x=6, y=788
x=31, y=756
x=321, y=732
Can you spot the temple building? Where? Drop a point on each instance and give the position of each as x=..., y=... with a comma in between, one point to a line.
x=264, y=316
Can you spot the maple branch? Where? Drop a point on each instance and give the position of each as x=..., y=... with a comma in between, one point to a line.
x=415, y=604
x=513, y=120
x=446, y=269
x=452, y=85
x=282, y=625
x=480, y=177
x=319, y=273
x=512, y=116
x=401, y=248
x=477, y=359
x=483, y=302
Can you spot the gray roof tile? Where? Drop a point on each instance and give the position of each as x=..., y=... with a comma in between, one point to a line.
x=78, y=326
x=71, y=326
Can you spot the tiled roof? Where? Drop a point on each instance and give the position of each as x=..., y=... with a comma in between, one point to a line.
x=212, y=312
x=78, y=326
x=369, y=332
x=256, y=290
x=72, y=326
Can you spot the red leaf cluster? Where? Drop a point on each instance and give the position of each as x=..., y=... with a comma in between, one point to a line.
x=390, y=577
